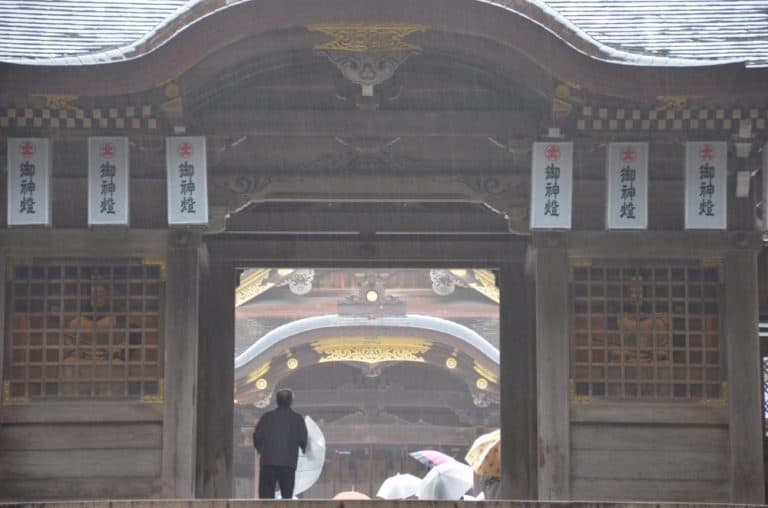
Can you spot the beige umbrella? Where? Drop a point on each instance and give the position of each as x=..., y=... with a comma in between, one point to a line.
x=350, y=495
x=485, y=454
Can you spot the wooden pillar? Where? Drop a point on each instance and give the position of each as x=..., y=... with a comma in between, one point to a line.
x=215, y=381
x=552, y=362
x=3, y=307
x=518, y=394
x=744, y=384
x=180, y=373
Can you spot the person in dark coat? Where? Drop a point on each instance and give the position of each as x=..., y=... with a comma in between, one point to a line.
x=277, y=437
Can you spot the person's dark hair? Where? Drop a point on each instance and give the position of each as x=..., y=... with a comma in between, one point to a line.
x=284, y=398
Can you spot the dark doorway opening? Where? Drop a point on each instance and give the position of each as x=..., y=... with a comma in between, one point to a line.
x=386, y=361
x=463, y=246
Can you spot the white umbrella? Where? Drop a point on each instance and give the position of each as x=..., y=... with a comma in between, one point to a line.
x=310, y=464
x=449, y=481
x=399, y=486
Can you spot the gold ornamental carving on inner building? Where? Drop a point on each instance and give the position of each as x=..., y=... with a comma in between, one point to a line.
x=486, y=373
x=372, y=349
x=367, y=38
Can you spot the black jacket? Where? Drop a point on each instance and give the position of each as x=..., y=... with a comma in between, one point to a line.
x=278, y=436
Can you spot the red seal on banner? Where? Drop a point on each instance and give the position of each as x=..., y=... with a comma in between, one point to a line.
x=185, y=150
x=628, y=154
x=552, y=152
x=107, y=150
x=27, y=148
x=707, y=153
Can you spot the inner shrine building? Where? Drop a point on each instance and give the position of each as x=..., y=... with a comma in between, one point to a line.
x=596, y=167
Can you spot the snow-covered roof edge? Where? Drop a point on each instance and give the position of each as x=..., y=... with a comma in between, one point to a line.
x=580, y=41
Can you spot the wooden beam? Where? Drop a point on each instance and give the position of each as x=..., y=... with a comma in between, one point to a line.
x=5, y=336
x=324, y=399
x=413, y=217
x=552, y=360
x=76, y=411
x=215, y=381
x=518, y=392
x=356, y=123
x=107, y=242
x=180, y=372
x=432, y=251
x=745, y=399
x=659, y=413
x=649, y=244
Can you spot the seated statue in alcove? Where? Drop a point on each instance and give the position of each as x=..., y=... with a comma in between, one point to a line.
x=640, y=324
x=98, y=333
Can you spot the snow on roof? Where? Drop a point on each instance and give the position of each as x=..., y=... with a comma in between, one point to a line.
x=650, y=32
x=72, y=32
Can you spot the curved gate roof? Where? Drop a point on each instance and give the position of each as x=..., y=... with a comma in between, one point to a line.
x=648, y=32
x=291, y=329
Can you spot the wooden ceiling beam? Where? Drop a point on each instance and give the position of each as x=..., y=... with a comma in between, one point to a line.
x=357, y=123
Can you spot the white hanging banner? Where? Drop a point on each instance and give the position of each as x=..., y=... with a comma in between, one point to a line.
x=29, y=181
x=108, y=181
x=187, y=180
x=552, y=185
x=706, y=185
x=627, y=186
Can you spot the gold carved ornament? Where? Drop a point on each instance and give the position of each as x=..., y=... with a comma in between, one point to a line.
x=8, y=400
x=486, y=285
x=253, y=285
x=372, y=350
x=486, y=373
x=58, y=101
x=159, y=397
x=721, y=401
x=364, y=38
x=574, y=397
x=257, y=376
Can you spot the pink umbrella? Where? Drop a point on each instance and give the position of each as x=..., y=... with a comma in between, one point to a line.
x=431, y=458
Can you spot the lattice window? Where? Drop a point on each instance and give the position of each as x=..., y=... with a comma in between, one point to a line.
x=84, y=331
x=650, y=332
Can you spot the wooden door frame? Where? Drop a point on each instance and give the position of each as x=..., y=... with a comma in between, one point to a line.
x=223, y=254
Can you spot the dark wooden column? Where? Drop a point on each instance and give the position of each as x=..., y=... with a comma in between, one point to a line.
x=744, y=388
x=178, y=473
x=552, y=356
x=3, y=307
x=215, y=380
x=518, y=393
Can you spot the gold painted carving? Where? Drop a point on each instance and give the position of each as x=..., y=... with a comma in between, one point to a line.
x=258, y=373
x=722, y=401
x=162, y=263
x=252, y=286
x=486, y=285
x=363, y=38
x=157, y=398
x=486, y=373
x=372, y=350
x=574, y=397
x=12, y=401
x=673, y=102
x=59, y=101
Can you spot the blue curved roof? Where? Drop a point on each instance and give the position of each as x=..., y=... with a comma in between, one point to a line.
x=275, y=336
x=650, y=32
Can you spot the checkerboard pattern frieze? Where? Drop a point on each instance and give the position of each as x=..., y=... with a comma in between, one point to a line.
x=596, y=118
x=123, y=118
